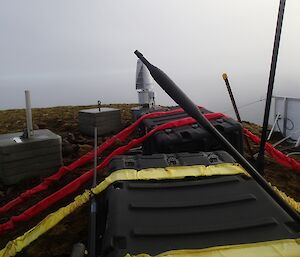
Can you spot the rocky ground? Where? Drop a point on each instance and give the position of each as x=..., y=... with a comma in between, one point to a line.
x=64, y=121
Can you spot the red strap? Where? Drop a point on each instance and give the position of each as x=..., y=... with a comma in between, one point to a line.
x=121, y=136
x=274, y=153
x=78, y=182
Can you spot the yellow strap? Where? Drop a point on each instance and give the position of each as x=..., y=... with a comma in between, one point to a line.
x=16, y=245
x=289, y=200
x=170, y=173
x=279, y=248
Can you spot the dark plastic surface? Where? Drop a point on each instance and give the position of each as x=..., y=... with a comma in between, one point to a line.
x=190, y=138
x=164, y=160
x=156, y=216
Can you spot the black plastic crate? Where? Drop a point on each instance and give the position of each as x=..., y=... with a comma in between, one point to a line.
x=156, y=216
x=191, y=138
x=192, y=213
x=138, y=162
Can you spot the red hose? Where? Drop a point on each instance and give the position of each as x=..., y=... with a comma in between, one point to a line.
x=280, y=157
x=121, y=136
x=78, y=182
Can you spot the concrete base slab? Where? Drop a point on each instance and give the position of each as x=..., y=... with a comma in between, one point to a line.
x=22, y=158
x=107, y=120
x=11, y=179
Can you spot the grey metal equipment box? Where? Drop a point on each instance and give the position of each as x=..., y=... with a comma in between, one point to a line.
x=21, y=158
x=107, y=120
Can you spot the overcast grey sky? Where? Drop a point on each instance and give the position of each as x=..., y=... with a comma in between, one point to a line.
x=78, y=51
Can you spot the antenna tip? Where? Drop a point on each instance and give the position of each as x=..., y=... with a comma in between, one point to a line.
x=225, y=77
x=138, y=54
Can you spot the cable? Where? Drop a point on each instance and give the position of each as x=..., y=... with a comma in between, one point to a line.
x=292, y=123
x=245, y=105
x=293, y=153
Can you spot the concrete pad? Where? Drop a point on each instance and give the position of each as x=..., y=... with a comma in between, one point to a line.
x=22, y=158
x=107, y=120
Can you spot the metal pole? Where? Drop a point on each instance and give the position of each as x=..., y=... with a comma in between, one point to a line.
x=95, y=156
x=99, y=105
x=273, y=127
x=298, y=142
x=284, y=116
x=28, y=114
x=260, y=159
x=93, y=214
x=225, y=77
x=189, y=107
x=285, y=138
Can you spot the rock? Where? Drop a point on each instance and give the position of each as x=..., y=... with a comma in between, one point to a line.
x=71, y=138
x=68, y=148
x=42, y=125
x=84, y=149
x=66, y=126
x=81, y=140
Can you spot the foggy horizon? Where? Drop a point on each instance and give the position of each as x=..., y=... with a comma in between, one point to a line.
x=76, y=52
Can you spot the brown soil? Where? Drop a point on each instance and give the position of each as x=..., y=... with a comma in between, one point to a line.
x=64, y=121
x=285, y=179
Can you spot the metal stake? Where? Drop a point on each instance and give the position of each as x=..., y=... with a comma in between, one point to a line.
x=95, y=156
x=225, y=77
x=273, y=127
x=93, y=214
x=28, y=114
x=261, y=158
x=298, y=142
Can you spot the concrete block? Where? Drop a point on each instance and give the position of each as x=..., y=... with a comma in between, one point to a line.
x=21, y=158
x=107, y=120
x=11, y=179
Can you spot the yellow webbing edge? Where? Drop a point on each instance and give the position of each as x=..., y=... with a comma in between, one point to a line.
x=278, y=248
x=16, y=245
x=289, y=200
